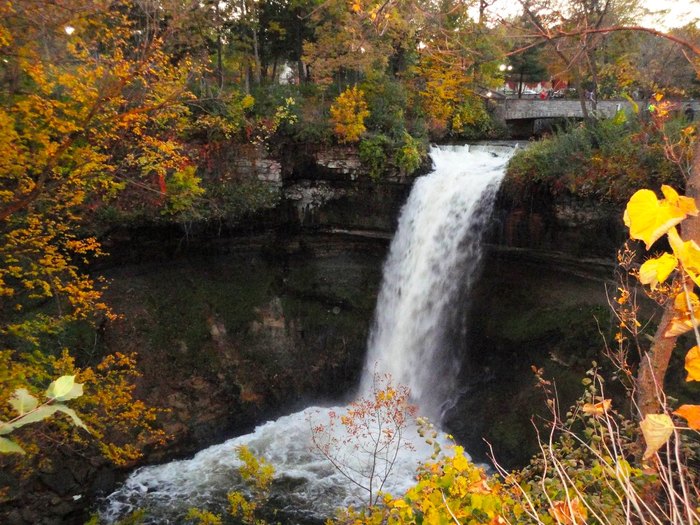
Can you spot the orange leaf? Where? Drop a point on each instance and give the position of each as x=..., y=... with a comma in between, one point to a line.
x=680, y=303
x=690, y=413
x=683, y=322
x=679, y=326
x=569, y=513
x=692, y=364
x=597, y=409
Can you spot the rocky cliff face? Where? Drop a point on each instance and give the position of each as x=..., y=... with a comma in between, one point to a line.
x=560, y=224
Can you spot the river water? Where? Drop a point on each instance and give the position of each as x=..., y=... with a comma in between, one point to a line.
x=433, y=260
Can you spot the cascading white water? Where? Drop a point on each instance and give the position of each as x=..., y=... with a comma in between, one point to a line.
x=433, y=257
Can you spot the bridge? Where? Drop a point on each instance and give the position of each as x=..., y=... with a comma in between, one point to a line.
x=524, y=116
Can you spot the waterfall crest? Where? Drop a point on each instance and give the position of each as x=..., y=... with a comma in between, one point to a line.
x=433, y=258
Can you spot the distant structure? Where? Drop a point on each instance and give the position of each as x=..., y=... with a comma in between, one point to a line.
x=524, y=116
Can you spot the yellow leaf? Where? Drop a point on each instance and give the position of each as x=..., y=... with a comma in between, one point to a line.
x=460, y=462
x=683, y=203
x=692, y=364
x=655, y=271
x=680, y=303
x=569, y=513
x=648, y=218
x=690, y=413
x=688, y=253
x=656, y=428
x=59, y=388
x=597, y=409
x=683, y=322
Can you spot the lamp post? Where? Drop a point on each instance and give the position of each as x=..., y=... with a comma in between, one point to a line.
x=503, y=68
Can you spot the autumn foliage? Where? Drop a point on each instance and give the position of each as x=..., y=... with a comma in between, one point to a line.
x=83, y=113
x=91, y=102
x=363, y=443
x=678, y=272
x=348, y=114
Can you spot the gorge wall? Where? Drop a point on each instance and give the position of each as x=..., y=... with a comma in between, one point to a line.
x=277, y=309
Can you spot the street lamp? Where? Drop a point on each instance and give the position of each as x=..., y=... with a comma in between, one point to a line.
x=503, y=68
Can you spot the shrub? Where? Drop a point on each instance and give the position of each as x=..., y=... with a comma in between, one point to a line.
x=409, y=154
x=606, y=160
x=387, y=101
x=348, y=114
x=374, y=154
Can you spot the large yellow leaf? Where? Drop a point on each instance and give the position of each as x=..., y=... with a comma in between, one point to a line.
x=691, y=413
x=656, y=428
x=655, y=271
x=648, y=218
x=692, y=364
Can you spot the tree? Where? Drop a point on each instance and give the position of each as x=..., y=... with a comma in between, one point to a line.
x=82, y=114
x=581, y=53
x=363, y=444
x=91, y=102
x=527, y=67
x=348, y=114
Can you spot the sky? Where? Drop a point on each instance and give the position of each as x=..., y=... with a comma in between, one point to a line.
x=680, y=12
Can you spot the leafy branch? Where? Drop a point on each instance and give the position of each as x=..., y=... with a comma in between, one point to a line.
x=30, y=411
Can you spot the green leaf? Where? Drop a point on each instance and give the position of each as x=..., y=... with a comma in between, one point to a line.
x=6, y=427
x=76, y=420
x=74, y=392
x=22, y=401
x=35, y=416
x=62, y=388
x=10, y=447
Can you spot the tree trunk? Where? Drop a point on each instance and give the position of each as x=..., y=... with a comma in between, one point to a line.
x=301, y=72
x=219, y=60
x=256, y=57
x=520, y=84
x=581, y=97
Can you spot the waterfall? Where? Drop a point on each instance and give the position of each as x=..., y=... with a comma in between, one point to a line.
x=432, y=262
